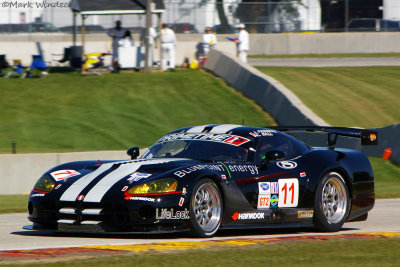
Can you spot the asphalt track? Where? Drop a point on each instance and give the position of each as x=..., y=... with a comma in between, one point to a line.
x=385, y=217
x=325, y=62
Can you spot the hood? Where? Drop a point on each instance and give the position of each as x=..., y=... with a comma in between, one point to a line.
x=107, y=175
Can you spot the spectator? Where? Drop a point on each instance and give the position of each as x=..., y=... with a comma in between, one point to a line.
x=209, y=40
x=242, y=43
x=168, y=41
x=152, y=36
x=127, y=41
x=117, y=33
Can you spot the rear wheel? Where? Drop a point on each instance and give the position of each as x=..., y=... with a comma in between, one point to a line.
x=205, y=208
x=332, y=203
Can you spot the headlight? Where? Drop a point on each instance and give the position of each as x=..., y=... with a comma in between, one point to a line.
x=160, y=186
x=45, y=184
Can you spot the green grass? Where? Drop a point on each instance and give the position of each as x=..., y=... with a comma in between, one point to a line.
x=70, y=112
x=387, y=175
x=386, y=186
x=363, y=252
x=345, y=96
x=328, y=55
x=13, y=203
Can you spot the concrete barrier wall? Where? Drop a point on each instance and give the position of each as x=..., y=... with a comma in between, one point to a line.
x=285, y=107
x=325, y=43
x=19, y=172
x=23, y=46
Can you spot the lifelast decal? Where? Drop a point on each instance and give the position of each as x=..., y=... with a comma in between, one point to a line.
x=170, y=214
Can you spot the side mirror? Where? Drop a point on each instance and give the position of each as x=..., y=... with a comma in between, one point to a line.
x=133, y=152
x=271, y=155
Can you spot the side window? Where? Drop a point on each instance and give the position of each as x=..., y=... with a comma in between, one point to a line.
x=276, y=142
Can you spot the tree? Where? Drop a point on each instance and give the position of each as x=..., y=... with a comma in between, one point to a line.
x=258, y=14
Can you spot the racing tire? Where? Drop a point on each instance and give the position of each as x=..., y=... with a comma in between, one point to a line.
x=332, y=203
x=205, y=209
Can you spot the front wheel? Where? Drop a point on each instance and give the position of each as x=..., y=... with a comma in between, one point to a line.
x=205, y=209
x=332, y=203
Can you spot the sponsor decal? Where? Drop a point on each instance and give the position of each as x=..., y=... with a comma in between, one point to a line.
x=183, y=172
x=181, y=202
x=274, y=188
x=58, y=186
x=143, y=199
x=259, y=133
x=137, y=176
x=248, y=216
x=171, y=214
x=244, y=168
x=236, y=140
x=303, y=174
x=124, y=188
x=223, y=138
x=64, y=174
x=288, y=192
x=274, y=201
x=263, y=201
x=184, y=191
x=37, y=195
x=188, y=170
x=80, y=197
x=215, y=167
x=264, y=188
x=305, y=213
x=223, y=176
x=287, y=164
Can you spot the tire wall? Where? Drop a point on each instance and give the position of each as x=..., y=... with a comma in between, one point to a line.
x=287, y=109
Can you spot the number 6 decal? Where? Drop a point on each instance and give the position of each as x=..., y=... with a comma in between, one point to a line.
x=288, y=193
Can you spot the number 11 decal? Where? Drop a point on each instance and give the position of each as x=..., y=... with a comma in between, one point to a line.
x=288, y=193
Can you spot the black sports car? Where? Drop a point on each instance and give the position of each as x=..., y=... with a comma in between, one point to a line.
x=208, y=177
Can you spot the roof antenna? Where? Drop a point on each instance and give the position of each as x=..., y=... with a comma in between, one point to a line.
x=243, y=122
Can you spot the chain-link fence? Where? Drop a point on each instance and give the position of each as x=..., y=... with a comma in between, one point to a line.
x=270, y=16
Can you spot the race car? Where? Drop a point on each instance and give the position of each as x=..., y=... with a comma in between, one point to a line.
x=205, y=178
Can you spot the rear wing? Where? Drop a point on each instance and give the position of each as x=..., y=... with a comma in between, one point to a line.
x=367, y=136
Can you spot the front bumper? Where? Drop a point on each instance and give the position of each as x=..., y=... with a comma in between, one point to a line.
x=102, y=218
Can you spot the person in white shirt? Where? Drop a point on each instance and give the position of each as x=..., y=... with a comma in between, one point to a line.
x=209, y=40
x=127, y=41
x=242, y=43
x=117, y=33
x=168, y=41
x=152, y=36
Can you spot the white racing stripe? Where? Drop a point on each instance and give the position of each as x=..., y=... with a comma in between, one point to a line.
x=197, y=129
x=224, y=128
x=76, y=188
x=101, y=188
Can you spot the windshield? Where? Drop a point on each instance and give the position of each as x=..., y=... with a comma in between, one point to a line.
x=196, y=149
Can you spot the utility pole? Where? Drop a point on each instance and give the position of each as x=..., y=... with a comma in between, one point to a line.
x=147, y=38
x=346, y=15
